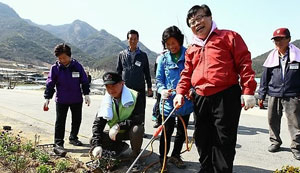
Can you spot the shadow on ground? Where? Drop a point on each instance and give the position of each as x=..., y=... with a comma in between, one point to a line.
x=77, y=150
x=238, y=146
x=192, y=167
x=150, y=164
x=243, y=130
x=249, y=169
x=284, y=149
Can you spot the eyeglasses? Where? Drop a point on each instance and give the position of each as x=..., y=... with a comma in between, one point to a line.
x=197, y=19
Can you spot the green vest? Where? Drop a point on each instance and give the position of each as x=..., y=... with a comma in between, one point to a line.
x=124, y=112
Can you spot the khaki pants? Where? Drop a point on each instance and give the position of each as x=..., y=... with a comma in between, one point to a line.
x=291, y=106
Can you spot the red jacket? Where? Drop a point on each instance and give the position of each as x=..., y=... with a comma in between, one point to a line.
x=218, y=65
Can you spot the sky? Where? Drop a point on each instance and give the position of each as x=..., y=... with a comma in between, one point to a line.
x=254, y=20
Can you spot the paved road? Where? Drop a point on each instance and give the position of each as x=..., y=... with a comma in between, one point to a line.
x=22, y=109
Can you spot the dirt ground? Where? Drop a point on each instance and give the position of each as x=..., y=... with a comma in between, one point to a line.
x=33, y=133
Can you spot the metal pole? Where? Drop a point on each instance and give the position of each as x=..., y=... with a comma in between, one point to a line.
x=155, y=134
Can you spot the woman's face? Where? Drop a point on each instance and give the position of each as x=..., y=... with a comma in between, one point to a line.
x=64, y=59
x=173, y=45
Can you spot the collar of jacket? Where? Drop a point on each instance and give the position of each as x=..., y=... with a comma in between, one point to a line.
x=272, y=59
x=137, y=51
x=61, y=66
x=181, y=58
x=200, y=42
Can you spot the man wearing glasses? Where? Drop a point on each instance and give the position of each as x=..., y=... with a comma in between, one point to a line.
x=218, y=67
x=281, y=81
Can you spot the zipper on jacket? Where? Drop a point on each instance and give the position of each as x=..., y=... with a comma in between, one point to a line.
x=204, y=65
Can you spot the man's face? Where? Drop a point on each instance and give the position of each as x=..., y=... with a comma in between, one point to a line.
x=115, y=90
x=281, y=43
x=64, y=59
x=200, y=24
x=132, y=41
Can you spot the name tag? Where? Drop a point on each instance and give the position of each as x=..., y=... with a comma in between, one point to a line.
x=75, y=74
x=294, y=66
x=138, y=63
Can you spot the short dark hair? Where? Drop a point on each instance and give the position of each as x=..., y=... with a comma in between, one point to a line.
x=195, y=9
x=132, y=32
x=62, y=48
x=172, y=31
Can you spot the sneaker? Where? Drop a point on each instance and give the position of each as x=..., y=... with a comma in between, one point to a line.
x=137, y=167
x=75, y=142
x=156, y=125
x=154, y=118
x=60, y=151
x=176, y=160
x=273, y=148
x=161, y=161
x=164, y=171
x=296, y=154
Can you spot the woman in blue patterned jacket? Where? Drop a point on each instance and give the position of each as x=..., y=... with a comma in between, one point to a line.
x=170, y=65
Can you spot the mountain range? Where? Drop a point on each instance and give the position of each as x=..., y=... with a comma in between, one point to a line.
x=99, y=44
x=23, y=41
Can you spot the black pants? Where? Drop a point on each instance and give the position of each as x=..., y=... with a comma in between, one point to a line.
x=156, y=112
x=134, y=134
x=60, y=123
x=142, y=95
x=179, y=139
x=217, y=118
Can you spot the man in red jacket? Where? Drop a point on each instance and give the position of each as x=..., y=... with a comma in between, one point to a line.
x=218, y=67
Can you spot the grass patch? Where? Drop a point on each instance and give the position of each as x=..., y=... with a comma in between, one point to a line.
x=18, y=156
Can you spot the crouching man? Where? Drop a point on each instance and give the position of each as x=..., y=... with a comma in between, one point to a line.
x=122, y=110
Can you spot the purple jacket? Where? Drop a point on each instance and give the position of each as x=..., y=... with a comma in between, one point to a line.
x=70, y=83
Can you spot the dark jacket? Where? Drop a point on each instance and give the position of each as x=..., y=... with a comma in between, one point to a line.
x=134, y=71
x=271, y=81
x=70, y=83
x=137, y=117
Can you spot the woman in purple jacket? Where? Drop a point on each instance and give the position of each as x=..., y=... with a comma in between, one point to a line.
x=69, y=78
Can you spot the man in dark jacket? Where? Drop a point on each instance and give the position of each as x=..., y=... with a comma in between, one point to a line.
x=281, y=81
x=122, y=110
x=133, y=66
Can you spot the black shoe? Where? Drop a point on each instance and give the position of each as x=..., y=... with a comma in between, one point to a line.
x=161, y=161
x=157, y=124
x=60, y=151
x=177, y=161
x=75, y=142
x=273, y=148
x=164, y=171
x=121, y=149
x=296, y=154
x=137, y=167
